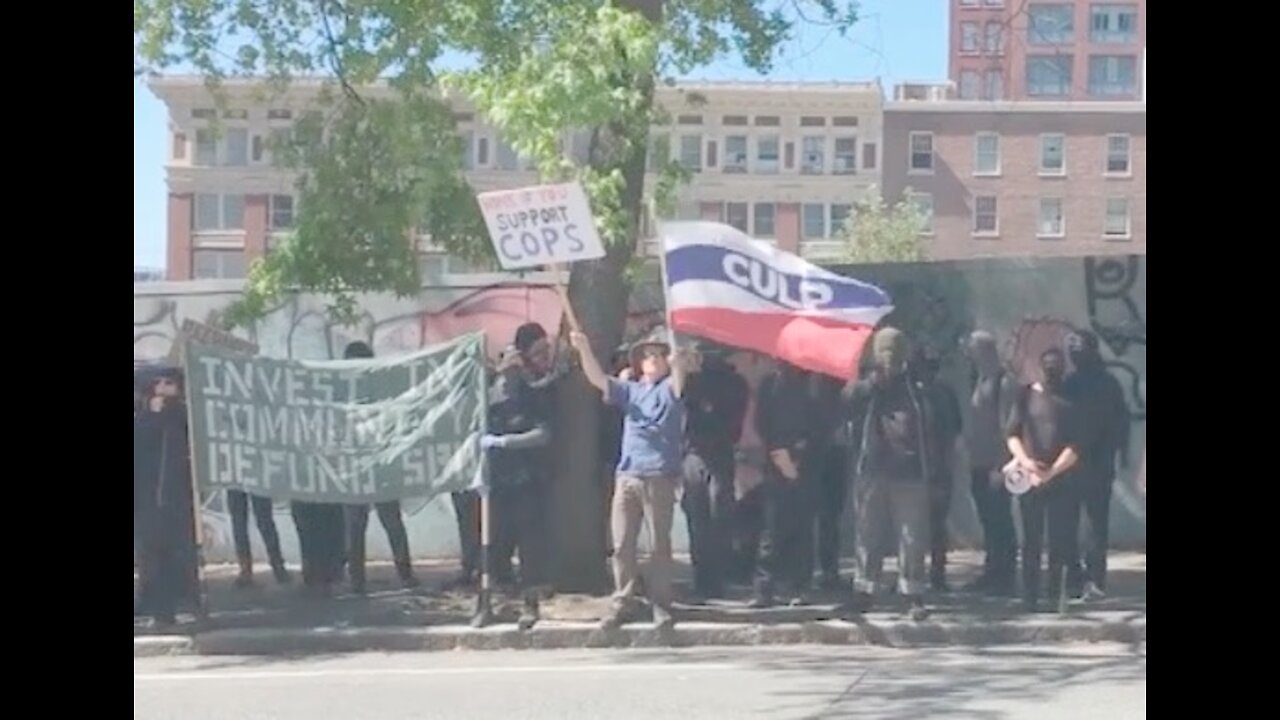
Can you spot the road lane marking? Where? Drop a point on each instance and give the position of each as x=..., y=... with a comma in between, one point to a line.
x=419, y=672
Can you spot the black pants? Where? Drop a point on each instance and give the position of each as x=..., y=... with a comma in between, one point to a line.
x=321, y=538
x=1056, y=508
x=708, y=503
x=787, y=538
x=748, y=525
x=939, y=508
x=238, y=503
x=466, y=511
x=517, y=513
x=833, y=488
x=1095, y=491
x=168, y=575
x=999, y=538
x=357, y=528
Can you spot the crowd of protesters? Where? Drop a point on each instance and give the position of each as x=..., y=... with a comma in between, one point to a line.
x=884, y=444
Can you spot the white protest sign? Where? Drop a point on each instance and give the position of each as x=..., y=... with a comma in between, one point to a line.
x=541, y=225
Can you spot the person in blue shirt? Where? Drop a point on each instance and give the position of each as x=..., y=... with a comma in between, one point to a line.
x=649, y=467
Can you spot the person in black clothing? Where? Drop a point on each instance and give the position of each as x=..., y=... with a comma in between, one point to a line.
x=1043, y=437
x=163, y=502
x=238, y=505
x=519, y=432
x=1104, y=443
x=783, y=418
x=389, y=516
x=945, y=431
x=993, y=393
x=716, y=402
x=466, y=512
x=891, y=490
x=829, y=464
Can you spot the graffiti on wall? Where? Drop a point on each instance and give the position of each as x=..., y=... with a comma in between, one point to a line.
x=1028, y=304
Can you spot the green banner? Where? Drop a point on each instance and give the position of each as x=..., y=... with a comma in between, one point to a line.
x=344, y=431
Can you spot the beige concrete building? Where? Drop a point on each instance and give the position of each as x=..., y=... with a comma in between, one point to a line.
x=781, y=161
x=1021, y=178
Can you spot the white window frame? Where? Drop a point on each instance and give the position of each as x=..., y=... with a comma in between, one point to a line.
x=820, y=168
x=852, y=167
x=977, y=37
x=1128, y=218
x=1052, y=172
x=1051, y=233
x=762, y=166
x=832, y=226
x=729, y=164
x=271, y=213
x=697, y=138
x=825, y=233
x=911, y=153
x=924, y=202
x=222, y=228
x=1112, y=36
x=977, y=155
x=755, y=231
x=1128, y=156
x=746, y=225
x=995, y=231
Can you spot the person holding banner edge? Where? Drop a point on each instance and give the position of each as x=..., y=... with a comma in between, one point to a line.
x=649, y=469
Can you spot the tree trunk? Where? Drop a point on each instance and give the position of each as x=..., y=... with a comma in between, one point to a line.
x=599, y=292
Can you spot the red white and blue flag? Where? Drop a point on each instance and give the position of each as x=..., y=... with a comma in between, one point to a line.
x=723, y=286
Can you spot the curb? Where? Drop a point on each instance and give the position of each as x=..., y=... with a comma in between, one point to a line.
x=1125, y=628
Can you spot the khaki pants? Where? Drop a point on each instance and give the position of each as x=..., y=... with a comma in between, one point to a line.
x=634, y=499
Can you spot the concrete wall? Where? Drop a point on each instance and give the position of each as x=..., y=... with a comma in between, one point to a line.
x=1027, y=303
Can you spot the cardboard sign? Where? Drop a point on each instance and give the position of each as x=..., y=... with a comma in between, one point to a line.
x=541, y=225
x=203, y=334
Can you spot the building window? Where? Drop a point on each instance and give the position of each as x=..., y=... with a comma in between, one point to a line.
x=1113, y=24
x=734, y=120
x=994, y=37
x=482, y=151
x=970, y=34
x=921, y=152
x=814, y=162
x=1116, y=224
x=691, y=152
x=712, y=157
x=868, y=156
x=278, y=142
x=968, y=3
x=923, y=203
x=1113, y=75
x=735, y=215
x=237, y=147
x=986, y=154
x=813, y=121
x=218, y=213
x=1048, y=75
x=468, y=149
x=767, y=155
x=204, y=113
x=735, y=154
x=789, y=156
x=763, y=220
x=814, y=225
x=179, y=146
x=281, y=214
x=993, y=3
x=993, y=85
x=1053, y=154
x=1050, y=23
x=840, y=213
x=986, y=218
x=1052, y=224
x=968, y=84
x=844, y=121
x=768, y=121
x=217, y=264
x=689, y=120
x=206, y=148
x=507, y=158
x=846, y=156
x=1118, y=155
x=279, y=114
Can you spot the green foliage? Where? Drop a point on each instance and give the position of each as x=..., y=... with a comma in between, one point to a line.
x=371, y=165
x=878, y=232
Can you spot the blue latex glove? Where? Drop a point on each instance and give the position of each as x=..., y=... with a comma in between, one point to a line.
x=492, y=441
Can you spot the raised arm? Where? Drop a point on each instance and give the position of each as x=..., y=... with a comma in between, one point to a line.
x=590, y=366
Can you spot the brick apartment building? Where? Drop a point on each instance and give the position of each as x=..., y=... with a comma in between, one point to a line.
x=782, y=161
x=1019, y=178
x=1048, y=50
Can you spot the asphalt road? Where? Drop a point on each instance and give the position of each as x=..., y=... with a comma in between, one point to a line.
x=1099, y=682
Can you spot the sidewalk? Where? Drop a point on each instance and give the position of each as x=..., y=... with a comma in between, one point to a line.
x=269, y=619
